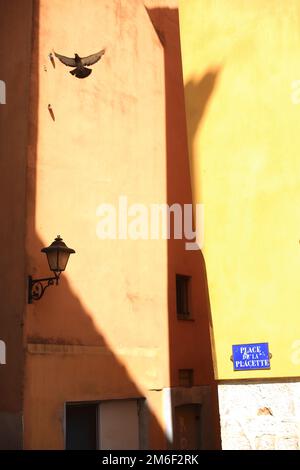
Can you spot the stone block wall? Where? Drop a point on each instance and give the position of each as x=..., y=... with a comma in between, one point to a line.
x=260, y=416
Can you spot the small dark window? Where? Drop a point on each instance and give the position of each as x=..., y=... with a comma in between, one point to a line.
x=81, y=426
x=182, y=295
x=186, y=377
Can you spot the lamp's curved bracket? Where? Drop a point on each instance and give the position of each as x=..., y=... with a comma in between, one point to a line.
x=37, y=287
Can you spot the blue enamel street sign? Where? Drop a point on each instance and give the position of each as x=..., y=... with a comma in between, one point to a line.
x=251, y=356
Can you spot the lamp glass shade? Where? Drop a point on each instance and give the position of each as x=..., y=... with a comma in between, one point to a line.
x=58, y=254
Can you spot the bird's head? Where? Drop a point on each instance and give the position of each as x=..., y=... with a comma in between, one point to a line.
x=76, y=56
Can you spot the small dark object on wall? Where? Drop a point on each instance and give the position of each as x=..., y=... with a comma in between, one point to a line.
x=52, y=59
x=51, y=112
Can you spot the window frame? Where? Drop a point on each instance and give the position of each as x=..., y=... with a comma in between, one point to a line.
x=188, y=379
x=82, y=404
x=186, y=286
x=143, y=417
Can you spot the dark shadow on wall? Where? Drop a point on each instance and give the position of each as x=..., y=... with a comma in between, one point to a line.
x=15, y=48
x=189, y=341
x=197, y=97
x=56, y=327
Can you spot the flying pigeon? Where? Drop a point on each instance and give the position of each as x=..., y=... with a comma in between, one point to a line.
x=80, y=71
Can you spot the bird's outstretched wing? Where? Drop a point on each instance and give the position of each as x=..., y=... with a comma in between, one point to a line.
x=66, y=60
x=92, y=59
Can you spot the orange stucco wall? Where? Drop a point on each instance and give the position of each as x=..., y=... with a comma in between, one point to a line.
x=108, y=132
x=109, y=330
x=189, y=341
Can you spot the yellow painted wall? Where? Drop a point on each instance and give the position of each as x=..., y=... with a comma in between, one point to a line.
x=240, y=59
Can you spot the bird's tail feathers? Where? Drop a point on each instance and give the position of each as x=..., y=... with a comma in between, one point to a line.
x=81, y=72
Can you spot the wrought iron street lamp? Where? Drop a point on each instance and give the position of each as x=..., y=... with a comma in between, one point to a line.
x=58, y=255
